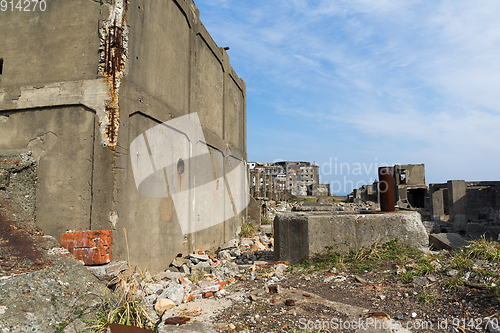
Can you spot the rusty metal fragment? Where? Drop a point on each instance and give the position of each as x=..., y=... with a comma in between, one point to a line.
x=177, y=320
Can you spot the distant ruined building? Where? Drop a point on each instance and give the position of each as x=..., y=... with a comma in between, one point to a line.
x=275, y=180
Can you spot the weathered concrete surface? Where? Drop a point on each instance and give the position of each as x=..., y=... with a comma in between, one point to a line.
x=59, y=82
x=300, y=235
x=446, y=241
x=61, y=140
x=55, y=45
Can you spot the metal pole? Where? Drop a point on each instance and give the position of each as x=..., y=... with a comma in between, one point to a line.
x=386, y=189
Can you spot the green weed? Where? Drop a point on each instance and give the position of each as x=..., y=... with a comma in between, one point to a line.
x=426, y=298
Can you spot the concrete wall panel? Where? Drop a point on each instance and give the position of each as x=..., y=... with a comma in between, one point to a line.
x=235, y=109
x=172, y=68
x=159, y=53
x=58, y=44
x=208, y=87
x=61, y=139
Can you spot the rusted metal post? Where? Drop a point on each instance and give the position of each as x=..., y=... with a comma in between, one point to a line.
x=386, y=189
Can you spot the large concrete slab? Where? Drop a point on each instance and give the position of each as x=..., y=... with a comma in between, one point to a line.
x=298, y=235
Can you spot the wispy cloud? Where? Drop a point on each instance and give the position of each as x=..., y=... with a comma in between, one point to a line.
x=425, y=73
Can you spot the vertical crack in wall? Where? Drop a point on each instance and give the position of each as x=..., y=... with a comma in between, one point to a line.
x=113, y=49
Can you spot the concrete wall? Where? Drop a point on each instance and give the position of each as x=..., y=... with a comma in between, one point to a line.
x=79, y=100
x=483, y=201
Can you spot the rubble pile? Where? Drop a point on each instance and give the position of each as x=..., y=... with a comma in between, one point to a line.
x=201, y=275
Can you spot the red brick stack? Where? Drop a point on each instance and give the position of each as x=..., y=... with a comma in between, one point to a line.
x=93, y=247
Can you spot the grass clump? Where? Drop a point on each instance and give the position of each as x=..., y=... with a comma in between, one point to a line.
x=483, y=249
x=366, y=258
x=248, y=229
x=454, y=282
x=266, y=220
x=461, y=261
x=427, y=298
x=124, y=306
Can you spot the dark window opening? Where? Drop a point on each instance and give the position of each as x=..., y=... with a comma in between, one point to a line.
x=1, y=66
x=416, y=197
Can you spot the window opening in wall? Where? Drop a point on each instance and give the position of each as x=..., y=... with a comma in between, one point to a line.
x=402, y=177
x=1, y=66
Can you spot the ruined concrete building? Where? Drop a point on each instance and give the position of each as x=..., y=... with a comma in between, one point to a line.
x=409, y=187
x=463, y=204
x=99, y=92
x=279, y=178
x=471, y=209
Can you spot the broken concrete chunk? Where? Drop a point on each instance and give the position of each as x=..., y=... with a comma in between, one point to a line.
x=200, y=257
x=178, y=262
x=184, y=269
x=109, y=271
x=163, y=305
x=421, y=281
x=227, y=246
x=202, y=267
x=446, y=241
x=224, y=255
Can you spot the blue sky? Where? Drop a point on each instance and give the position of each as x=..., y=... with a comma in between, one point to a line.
x=365, y=83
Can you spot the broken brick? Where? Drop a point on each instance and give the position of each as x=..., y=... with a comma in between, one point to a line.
x=92, y=247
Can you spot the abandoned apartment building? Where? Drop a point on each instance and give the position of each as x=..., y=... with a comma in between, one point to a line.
x=82, y=79
x=279, y=180
x=470, y=208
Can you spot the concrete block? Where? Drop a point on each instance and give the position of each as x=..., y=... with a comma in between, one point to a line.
x=299, y=235
x=446, y=241
x=93, y=247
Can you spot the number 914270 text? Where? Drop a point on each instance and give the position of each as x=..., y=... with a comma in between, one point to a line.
x=23, y=5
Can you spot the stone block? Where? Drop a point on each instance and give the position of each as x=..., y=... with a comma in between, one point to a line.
x=298, y=235
x=446, y=241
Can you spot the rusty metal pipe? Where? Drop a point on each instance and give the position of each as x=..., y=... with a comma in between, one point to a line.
x=386, y=189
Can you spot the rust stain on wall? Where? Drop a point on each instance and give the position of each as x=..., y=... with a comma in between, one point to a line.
x=114, y=48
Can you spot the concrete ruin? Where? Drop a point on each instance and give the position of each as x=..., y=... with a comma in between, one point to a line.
x=471, y=208
x=409, y=187
x=82, y=79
